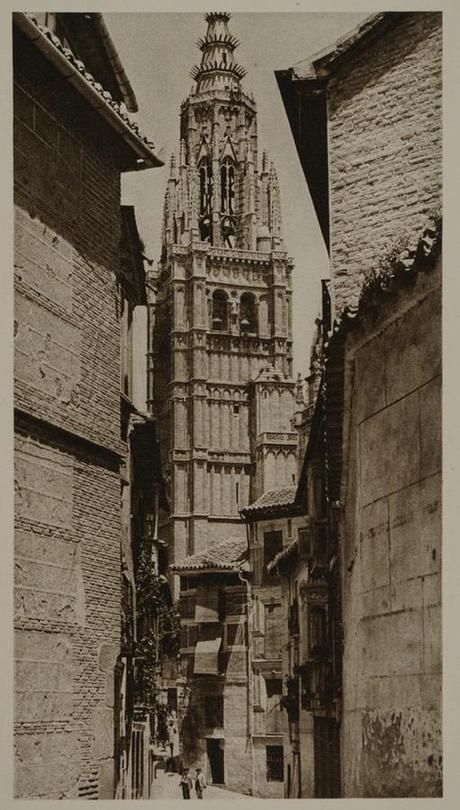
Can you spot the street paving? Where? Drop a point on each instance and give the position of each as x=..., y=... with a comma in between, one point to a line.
x=166, y=786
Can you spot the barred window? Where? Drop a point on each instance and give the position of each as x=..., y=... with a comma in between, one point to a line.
x=275, y=763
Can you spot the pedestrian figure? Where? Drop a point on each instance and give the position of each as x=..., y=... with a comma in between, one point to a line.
x=171, y=736
x=200, y=783
x=186, y=783
x=171, y=743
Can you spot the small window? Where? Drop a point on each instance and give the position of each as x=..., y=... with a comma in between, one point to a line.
x=275, y=763
x=214, y=711
x=236, y=410
x=289, y=527
x=237, y=493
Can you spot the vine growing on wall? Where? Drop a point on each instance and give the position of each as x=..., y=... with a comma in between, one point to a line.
x=158, y=628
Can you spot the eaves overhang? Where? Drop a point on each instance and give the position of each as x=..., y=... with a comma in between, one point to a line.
x=74, y=71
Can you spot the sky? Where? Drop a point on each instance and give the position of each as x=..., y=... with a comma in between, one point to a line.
x=158, y=50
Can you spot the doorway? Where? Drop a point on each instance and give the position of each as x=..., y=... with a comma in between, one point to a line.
x=215, y=750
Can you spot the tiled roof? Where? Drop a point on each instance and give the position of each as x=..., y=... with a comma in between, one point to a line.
x=417, y=257
x=272, y=500
x=28, y=19
x=226, y=556
x=320, y=63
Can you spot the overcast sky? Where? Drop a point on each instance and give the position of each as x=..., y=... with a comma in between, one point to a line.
x=158, y=50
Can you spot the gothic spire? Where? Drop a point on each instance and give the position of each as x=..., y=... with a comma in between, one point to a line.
x=217, y=68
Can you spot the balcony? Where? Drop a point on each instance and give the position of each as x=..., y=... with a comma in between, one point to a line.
x=316, y=685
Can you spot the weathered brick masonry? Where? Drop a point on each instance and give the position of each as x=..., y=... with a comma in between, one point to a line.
x=385, y=168
x=67, y=588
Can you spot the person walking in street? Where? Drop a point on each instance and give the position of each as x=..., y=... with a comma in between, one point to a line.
x=186, y=783
x=172, y=735
x=200, y=783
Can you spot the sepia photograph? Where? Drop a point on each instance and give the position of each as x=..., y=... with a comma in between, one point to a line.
x=227, y=405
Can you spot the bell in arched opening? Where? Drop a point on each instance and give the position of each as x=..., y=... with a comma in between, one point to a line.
x=248, y=313
x=219, y=314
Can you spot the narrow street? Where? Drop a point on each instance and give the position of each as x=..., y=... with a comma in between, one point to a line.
x=166, y=786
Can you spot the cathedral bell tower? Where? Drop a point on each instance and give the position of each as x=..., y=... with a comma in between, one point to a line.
x=221, y=382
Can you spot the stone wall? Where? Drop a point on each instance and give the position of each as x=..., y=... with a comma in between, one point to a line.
x=67, y=542
x=392, y=549
x=384, y=121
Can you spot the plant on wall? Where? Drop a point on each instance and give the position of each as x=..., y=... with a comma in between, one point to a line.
x=157, y=621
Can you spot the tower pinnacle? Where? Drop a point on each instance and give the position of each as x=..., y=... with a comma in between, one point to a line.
x=217, y=69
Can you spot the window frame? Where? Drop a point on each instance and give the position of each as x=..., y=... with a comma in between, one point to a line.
x=274, y=763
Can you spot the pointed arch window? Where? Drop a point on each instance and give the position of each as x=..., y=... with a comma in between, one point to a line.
x=227, y=187
x=219, y=311
x=227, y=202
x=205, y=171
x=248, y=313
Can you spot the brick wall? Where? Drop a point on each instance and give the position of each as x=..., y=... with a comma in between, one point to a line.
x=66, y=238
x=384, y=121
x=67, y=552
x=391, y=550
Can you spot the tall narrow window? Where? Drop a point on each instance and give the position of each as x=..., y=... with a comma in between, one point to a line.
x=126, y=347
x=205, y=199
x=227, y=202
x=227, y=187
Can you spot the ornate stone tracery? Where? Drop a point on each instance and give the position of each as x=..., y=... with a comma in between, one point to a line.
x=229, y=317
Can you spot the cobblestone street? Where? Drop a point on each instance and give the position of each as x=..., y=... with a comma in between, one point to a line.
x=166, y=786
